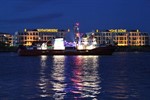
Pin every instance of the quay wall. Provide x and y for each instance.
(118, 49)
(132, 49)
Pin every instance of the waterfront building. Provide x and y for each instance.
(122, 37)
(6, 38)
(30, 37)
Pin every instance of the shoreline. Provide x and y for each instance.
(8, 49)
(118, 49)
(132, 49)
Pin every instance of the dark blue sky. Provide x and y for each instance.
(91, 14)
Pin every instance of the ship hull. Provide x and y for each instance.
(97, 51)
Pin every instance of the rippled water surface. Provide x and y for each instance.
(122, 76)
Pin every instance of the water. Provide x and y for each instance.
(122, 76)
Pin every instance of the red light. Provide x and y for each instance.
(77, 24)
(77, 34)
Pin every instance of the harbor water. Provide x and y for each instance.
(121, 76)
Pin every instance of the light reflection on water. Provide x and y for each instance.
(70, 77)
(122, 76)
(86, 79)
(58, 77)
(43, 81)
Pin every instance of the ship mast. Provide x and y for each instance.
(77, 34)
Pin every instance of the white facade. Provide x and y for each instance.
(122, 37)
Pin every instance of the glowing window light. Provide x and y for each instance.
(94, 41)
(68, 30)
(44, 46)
(90, 47)
(85, 42)
(80, 47)
(59, 44)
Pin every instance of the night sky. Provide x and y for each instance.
(91, 14)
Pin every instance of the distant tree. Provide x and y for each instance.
(2, 44)
(115, 43)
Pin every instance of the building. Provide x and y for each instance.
(122, 37)
(137, 38)
(30, 37)
(6, 38)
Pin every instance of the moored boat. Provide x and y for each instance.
(83, 45)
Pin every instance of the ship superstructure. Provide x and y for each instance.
(84, 41)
